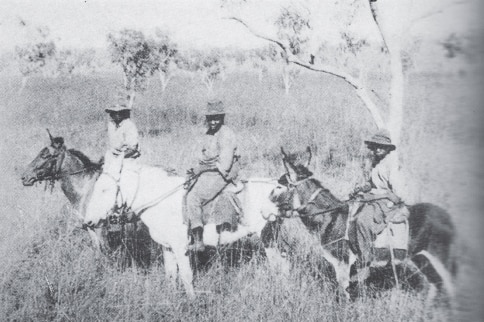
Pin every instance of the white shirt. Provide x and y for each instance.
(386, 176)
(124, 135)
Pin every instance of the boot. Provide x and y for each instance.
(198, 245)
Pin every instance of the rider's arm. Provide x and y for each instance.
(131, 139)
(228, 146)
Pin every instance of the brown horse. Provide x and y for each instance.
(77, 175)
(430, 256)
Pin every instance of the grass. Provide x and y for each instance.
(49, 271)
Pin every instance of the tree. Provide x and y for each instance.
(208, 65)
(166, 55)
(74, 61)
(131, 50)
(261, 58)
(33, 57)
(392, 18)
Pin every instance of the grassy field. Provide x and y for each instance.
(48, 271)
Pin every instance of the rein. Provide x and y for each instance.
(292, 186)
(58, 174)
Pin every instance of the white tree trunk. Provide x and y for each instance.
(23, 84)
(392, 18)
(164, 81)
(286, 78)
(132, 94)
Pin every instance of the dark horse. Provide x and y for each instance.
(77, 175)
(431, 232)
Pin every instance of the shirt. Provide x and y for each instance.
(386, 176)
(124, 135)
(218, 150)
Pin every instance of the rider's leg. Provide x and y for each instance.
(208, 186)
(368, 224)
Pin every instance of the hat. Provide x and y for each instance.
(117, 108)
(215, 108)
(382, 137)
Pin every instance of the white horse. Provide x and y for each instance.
(158, 201)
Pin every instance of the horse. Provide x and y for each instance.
(158, 202)
(77, 175)
(430, 254)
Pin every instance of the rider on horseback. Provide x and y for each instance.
(379, 199)
(218, 168)
(121, 155)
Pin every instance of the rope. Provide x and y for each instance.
(158, 199)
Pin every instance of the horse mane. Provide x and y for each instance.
(327, 199)
(85, 160)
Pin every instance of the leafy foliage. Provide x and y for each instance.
(130, 49)
(32, 57)
(165, 55)
(292, 26)
(210, 66)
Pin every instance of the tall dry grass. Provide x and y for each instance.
(49, 271)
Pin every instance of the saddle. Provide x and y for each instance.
(395, 235)
(226, 207)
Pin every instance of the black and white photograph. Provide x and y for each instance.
(241, 160)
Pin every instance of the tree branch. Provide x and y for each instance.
(361, 91)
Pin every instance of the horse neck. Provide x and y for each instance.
(76, 179)
(337, 228)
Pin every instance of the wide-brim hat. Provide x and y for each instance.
(215, 108)
(382, 137)
(117, 108)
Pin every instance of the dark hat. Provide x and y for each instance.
(120, 106)
(382, 137)
(215, 108)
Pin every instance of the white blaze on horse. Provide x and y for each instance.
(429, 244)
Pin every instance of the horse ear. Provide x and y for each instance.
(50, 137)
(308, 150)
(290, 170)
(284, 155)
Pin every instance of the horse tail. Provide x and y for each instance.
(445, 275)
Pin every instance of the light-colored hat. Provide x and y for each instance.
(215, 108)
(382, 137)
(117, 108)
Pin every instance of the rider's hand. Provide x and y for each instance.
(394, 198)
(118, 151)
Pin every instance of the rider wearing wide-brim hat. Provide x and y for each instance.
(381, 139)
(380, 197)
(122, 132)
(217, 167)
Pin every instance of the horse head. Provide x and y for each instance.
(298, 194)
(285, 195)
(47, 163)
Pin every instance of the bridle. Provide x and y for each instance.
(297, 208)
(56, 160)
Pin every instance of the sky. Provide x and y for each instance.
(85, 23)
(191, 23)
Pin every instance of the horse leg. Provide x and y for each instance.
(184, 270)
(169, 260)
(276, 261)
(97, 239)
